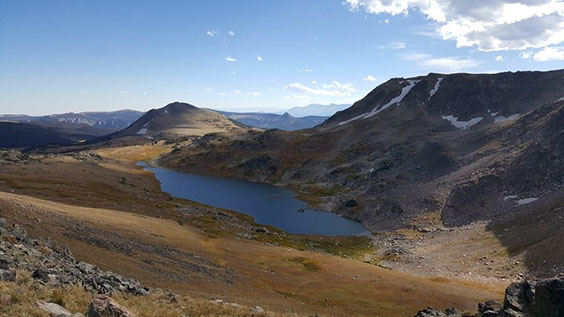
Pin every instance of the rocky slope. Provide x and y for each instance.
(469, 147)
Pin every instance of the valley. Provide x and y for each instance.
(453, 208)
(122, 215)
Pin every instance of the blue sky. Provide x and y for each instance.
(62, 56)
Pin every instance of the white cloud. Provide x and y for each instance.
(221, 94)
(526, 55)
(314, 82)
(308, 70)
(232, 33)
(123, 92)
(249, 93)
(259, 58)
(335, 89)
(499, 58)
(550, 54)
(442, 64)
(394, 46)
(369, 78)
(211, 33)
(231, 59)
(491, 25)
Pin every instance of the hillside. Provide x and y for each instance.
(24, 135)
(408, 148)
(274, 121)
(177, 120)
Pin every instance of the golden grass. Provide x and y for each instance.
(25, 292)
(135, 153)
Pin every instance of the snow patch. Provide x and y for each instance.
(561, 99)
(462, 124)
(525, 201)
(512, 197)
(499, 119)
(436, 88)
(404, 91)
(142, 131)
(493, 114)
(353, 119)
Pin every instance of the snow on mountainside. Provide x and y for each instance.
(461, 100)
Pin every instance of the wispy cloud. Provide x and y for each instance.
(248, 93)
(394, 46)
(526, 55)
(499, 58)
(123, 92)
(334, 89)
(211, 33)
(441, 64)
(259, 58)
(369, 78)
(308, 70)
(231, 59)
(231, 33)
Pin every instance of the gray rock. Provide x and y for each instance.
(54, 310)
(19, 232)
(549, 298)
(518, 297)
(103, 306)
(8, 275)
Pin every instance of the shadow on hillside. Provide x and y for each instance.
(538, 233)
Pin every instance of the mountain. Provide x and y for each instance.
(25, 135)
(316, 110)
(275, 121)
(467, 147)
(176, 120)
(115, 120)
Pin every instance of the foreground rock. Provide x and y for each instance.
(103, 306)
(522, 299)
(56, 266)
(55, 310)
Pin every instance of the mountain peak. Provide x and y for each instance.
(176, 107)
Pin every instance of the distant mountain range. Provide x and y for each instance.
(316, 110)
(274, 121)
(114, 120)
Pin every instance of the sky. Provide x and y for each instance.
(70, 56)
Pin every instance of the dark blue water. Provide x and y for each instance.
(268, 204)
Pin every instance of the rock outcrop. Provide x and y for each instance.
(543, 298)
(54, 265)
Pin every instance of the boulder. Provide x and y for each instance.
(54, 310)
(549, 298)
(104, 306)
(518, 297)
